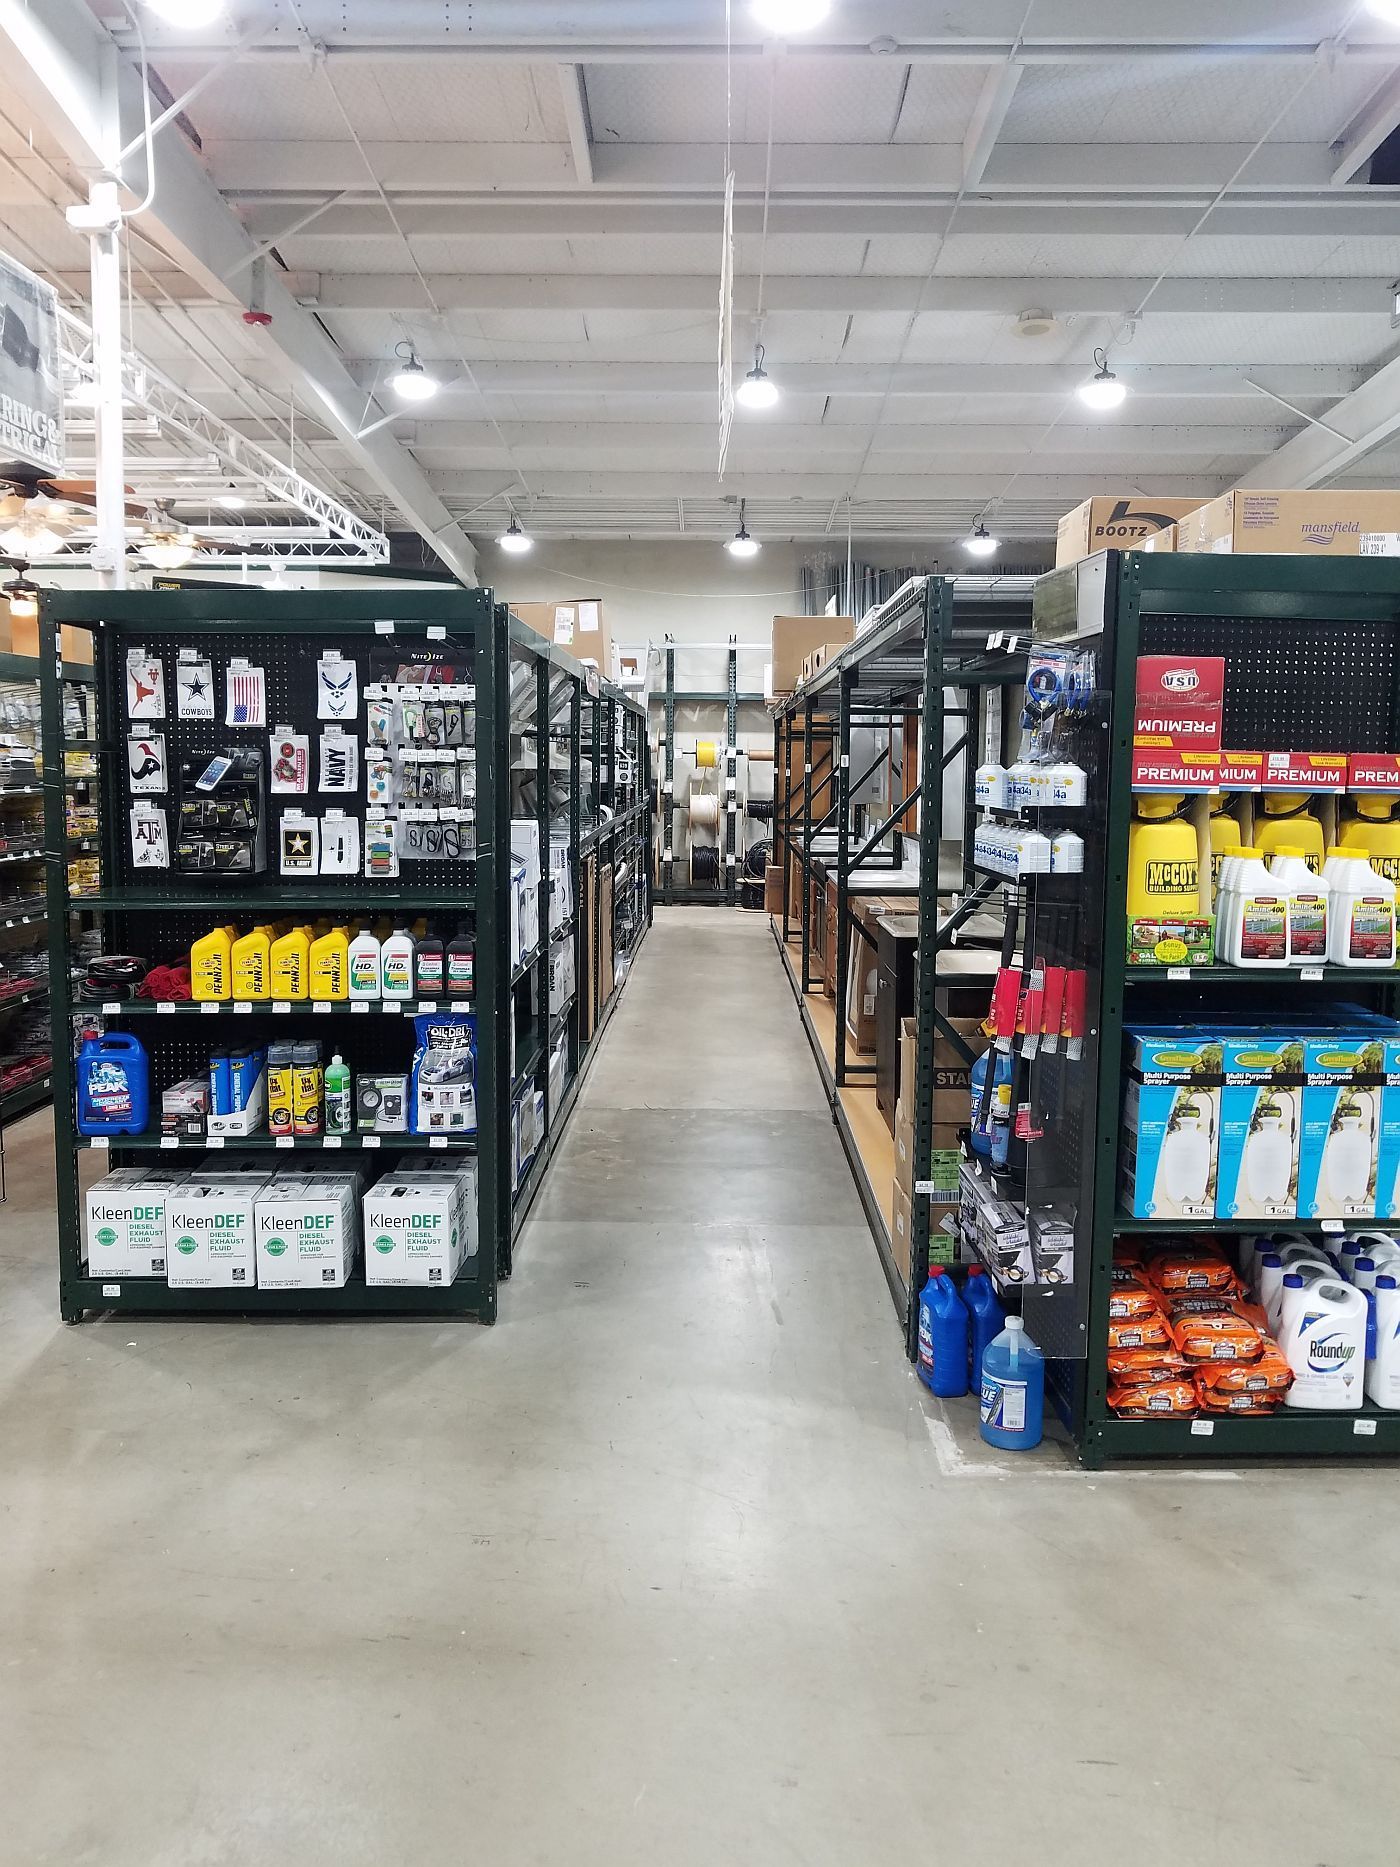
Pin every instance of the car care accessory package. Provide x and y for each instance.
(442, 1096)
(222, 813)
(1171, 1123)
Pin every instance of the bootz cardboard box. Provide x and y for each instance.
(1388, 1152)
(1261, 1109)
(210, 1235)
(1343, 1081)
(125, 1215)
(306, 1233)
(1171, 1124)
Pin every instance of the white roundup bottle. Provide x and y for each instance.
(1383, 1370)
(1324, 1341)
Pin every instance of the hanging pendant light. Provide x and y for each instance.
(758, 390)
(1104, 391)
(789, 16)
(743, 544)
(23, 598)
(514, 539)
(980, 543)
(170, 550)
(411, 382)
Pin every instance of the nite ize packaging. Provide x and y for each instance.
(1343, 1084)
(1261, 1116)
(1177, 722)
(1171, 1124)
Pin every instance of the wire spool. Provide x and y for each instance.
(756, 860)
(760, 809)
(704, 868)
(706, 754)
(702, 807)
(751, 896)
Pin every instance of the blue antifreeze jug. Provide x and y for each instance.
(1013, 1390)
(982, 1120)
(944, 1331)
(114, 1085)
(988, 1317)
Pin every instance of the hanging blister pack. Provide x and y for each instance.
(381, 848)
(194, 686)
(146, 768)
(291, 762)
(340, 844)
(337, 688)
(379, 723)
(300, 843)
(340, 763)
(379, 779)
(145, 686)
(245, 693)
(150, 837)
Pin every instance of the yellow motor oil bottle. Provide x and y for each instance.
(291, 965)
(1225, 838)
(1376, 830)
(1288, 821)
(252, 967)
(330, 965)
(1164, 869)
(211, 965)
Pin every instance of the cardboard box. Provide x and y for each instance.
(125, 1230)
(577, 624)
(773, 889)
(20, 636)
(902, 1230)
(605, 937)
(1160, 541)
(1374, 771)
(794, 638)
(1260, 1124)
(307, 1232)
(1305, 771)
(952, 1077)
(1171, 1124)
(862, 974)
(419, 1229)
(1117, 522)
(1178, 711)
(1315, 524)
(210, 1235)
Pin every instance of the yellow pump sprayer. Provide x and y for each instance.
(1288, 821)
(1376, 831)
(1164, 870)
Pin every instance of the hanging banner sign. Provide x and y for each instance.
(31, 377)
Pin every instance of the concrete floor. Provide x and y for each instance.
(675, 1566)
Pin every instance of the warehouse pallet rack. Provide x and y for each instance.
(939, 637)
(725, 892)
(588, 765)
(1312, 653)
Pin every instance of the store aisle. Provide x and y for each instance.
(667, 1567)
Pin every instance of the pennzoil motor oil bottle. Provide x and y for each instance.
(1288, 820)
(211, 966)
(291, 965)
(1164, 875)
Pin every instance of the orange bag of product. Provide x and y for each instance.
(1127, 1255)
(1249, 1405)
(1145, 1367)
(1271, 1374)
(1132, 1297)
(1217, 1335)
(1163, 1400)
(1143, 1332)
(1194, 1268)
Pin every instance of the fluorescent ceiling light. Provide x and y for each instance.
(757, 390)
(981, 543)
(187, 12)
(412, 383)
(1103, 391)
(514, 540)
(786, 16)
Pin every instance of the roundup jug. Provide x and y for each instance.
(1383, 1370)
(1324, 1340)
(1288, 820)
(113, 1085)
(1375, 829)
(1187, 1151)
(1164, 875)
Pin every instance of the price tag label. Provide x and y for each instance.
(332, 1140)
(243, 1010)
(1333, 1226)
(100, 1141)
(1311, 974)
(281, 1008)
(371, 1140)
(165, 1011)
(216, 1140)
(438, 1141)
(1179, 975)
(436, 632)
(111, 1290)
(427, 1006)
(321, 1008)
(111, 1007)
(170, 1143)
(359, 1011)
(286, 1141)
(383, 628)
(393, 1008)
(1363, 1429)
(1203, 1429)
(210, 1008)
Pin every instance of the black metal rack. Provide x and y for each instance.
(588, 769)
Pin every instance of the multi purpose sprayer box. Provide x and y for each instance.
(1388, 1150)
(1171, 1124)
(1261, 1107)
(1343, 1084)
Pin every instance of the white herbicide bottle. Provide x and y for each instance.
(1308, 1271)
(1254, 933)
(1308, 899)
(1324, 1340)
(1383, 1371)
(1363, 911)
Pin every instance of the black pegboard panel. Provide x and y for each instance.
(289, 666)
(1294, 686)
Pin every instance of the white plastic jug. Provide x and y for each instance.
(1383, 1371)
(1309, 898)
(1346, 1159)
(1186, 1156)
(1268, 1158)
(1308, 1271)
(1253, 929)
(1381, 1247)
(1362, 912)
(1324, 1340)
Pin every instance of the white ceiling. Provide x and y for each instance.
(532, 195)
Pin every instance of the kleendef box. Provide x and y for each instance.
(306, 1234)
(125, 1229)
(1178, 716)
(419, 1229)
(210, 1235)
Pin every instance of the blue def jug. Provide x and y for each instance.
(1013, 1390)
(114, 1085)
(944, 1331)
(988, 1317)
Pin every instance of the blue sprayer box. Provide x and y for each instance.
(1261, 1108)
(1171, 1122)
(1343, 1082)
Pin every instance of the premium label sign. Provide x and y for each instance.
(31, 376)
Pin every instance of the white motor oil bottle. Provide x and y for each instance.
(1383, 1370)
(1323, 1338)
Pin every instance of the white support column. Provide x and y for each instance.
(109, 556)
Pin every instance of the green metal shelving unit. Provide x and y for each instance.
(1312, 650)
(561, 702)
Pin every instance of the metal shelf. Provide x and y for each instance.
(272, 1008)
(1288, 1434)
(24, 1101)
(1290, 976)
(245, 901)
(153, 1142)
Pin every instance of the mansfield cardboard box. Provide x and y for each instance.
(794, 638)
(1318, 524)
(577, 624)
(1118, 522)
